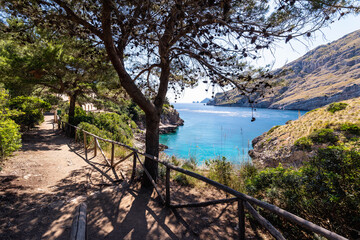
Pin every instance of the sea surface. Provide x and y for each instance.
(211, 132)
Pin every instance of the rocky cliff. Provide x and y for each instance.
(297, 141)
(326, 74)
(170, 120)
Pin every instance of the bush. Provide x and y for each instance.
(350, 128)
(326, 187)
(190, 164)
(182, 179)
(94, 130)
(220, 170)
(10, 138)
(32, 109)
(324, 136)
(334, 107)
(304, 143)
(117, 124)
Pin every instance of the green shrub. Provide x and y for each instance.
(10, 138)
(118, 125)
(220, 170)
(32, 109)
(334, 107)
(94, 130)
(190, 164)
(182, 179)
(350, 128)
(326, 187)
(324, 136)
(304, 143)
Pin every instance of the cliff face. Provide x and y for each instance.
(326, 74)
(170, 120)
(281, 144)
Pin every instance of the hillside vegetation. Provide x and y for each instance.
(327, 74)
(295, 142)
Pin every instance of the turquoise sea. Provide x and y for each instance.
(211, 131)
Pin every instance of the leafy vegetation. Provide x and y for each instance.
(10, 138)
(32, 109)
(338, 106)
(324, 136)
(350, 128)
(326, 187)
(118, 127)
(220, 170)
(304, 143)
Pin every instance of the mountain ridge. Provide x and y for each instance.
(326, 74)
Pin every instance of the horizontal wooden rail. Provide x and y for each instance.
(78, 227)
(204, 204)
(246, 198)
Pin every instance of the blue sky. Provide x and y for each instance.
(284, 53)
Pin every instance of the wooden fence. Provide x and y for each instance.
(243, 200)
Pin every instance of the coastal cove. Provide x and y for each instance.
(210, 131)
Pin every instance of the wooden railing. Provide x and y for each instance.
(243, 200)
(78, 227)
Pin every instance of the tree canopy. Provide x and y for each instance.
(64, 65)
(160, 44)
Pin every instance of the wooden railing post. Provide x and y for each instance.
(112, 154)
(167, 197)
(134, 167)
(85, 150)
(95, 147)
(75, 130)
(241, 215)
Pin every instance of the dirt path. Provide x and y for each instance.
(41, 185)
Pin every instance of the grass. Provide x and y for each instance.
(312, 121)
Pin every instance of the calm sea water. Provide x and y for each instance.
(211, 131)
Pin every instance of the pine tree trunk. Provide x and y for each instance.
(70, 131)
(152, 147)
(72, 108)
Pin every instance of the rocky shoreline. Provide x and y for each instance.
(169, 122)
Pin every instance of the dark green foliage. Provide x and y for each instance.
(326, 187)
(136, 113)
(81, 116)
(52, 99)
(324, 135)
(117, 125)
(182, 179)
(334, 107)
(10, 138)
(350, 128)
(32, 109)
(304, 143)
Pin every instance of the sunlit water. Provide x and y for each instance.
(211, 132)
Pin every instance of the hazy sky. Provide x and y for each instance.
(284, 53)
